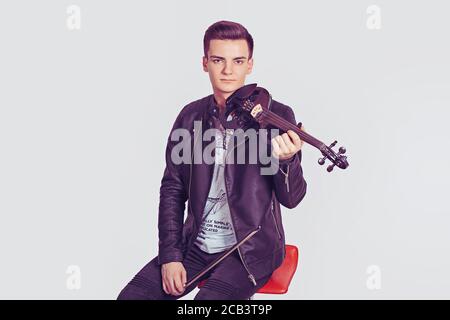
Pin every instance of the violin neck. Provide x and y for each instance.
(275, 120)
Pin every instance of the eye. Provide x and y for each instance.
(240, 61)
(216, 60)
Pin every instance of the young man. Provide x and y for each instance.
(225, 201)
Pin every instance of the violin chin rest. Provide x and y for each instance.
(240, 102)
(243, 92)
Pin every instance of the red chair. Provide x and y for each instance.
(281, 277)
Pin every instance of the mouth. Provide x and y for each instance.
(227, 80)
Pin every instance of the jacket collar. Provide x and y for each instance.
(212, 107)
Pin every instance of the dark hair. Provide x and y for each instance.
(227, 30)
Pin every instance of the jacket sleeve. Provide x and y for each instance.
(171, 207)
(289, 183)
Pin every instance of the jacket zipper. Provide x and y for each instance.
(190, 170)
(286, 177)
(274, 220)
(251, 277)
(190, 181)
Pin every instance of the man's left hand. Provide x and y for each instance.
(286, 145)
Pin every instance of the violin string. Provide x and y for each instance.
(284, 124)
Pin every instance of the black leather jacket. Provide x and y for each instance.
(254, 199)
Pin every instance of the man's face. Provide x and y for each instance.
(227, 60)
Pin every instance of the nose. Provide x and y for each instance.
(227, 69)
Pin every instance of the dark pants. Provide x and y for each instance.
(228, 280)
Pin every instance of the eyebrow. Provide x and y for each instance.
(237, 58)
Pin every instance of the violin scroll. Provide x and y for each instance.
(336, 159)
(251, 103)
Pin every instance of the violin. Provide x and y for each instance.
(251, 103)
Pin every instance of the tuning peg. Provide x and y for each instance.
(333, 144)
(321, 161)
(342, 150)
(330, 167)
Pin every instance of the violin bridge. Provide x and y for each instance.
(256, 110)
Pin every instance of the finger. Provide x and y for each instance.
(287, 140)
(163, 280)
(283, 148)
(178, 283)
(165, 287)
(171, 283)
(295, 138)
(276, 148)
(184, 278)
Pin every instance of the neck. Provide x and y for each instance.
(220, 98)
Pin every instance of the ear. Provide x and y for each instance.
(250, 65)
(205, 63)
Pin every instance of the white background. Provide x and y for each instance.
(85, 114)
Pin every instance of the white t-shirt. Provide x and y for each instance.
(216, 231)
